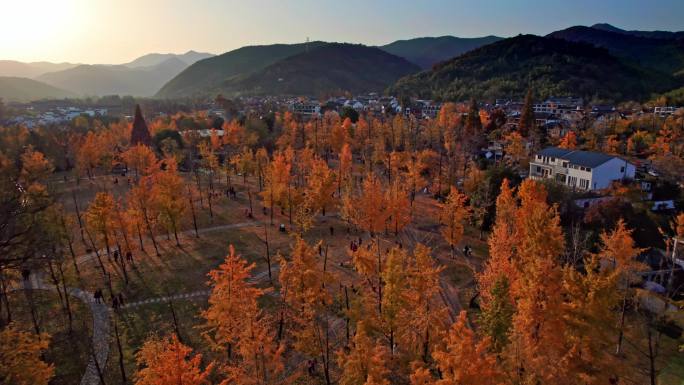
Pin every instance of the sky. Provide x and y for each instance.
(118, 31)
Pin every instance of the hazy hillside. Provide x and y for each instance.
(665, 55)
(650, 34)
(329, 68)
(551, 67)
(204, 76)
(30, 70)
(427, 51)
(24, 89)
(118, 79)
(154, 59)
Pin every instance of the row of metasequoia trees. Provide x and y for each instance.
(540, 321)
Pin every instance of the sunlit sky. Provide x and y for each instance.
(117, 31)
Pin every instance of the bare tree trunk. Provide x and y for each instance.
(149, 229)
(192, 211)
(78, 216)
(122, 369)
(268, 255)
(66, 298)
(3, 292)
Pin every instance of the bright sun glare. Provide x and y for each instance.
(28, 23)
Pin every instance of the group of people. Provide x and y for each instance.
(117, 300)
(129, 256)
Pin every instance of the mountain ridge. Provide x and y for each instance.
(19, 89)
(427, 51)
(330, 68)
(550, 66)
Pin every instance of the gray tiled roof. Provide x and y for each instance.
(580, 158)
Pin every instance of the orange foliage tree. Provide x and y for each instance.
(167, 361)
(453, 216)
(21, 357)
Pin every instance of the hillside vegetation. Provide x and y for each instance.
(666, 55)
(24, 89)
(551, 67)
(206, 75)
(428, 51)
(331, 68)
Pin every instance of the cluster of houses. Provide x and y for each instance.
(57, 115)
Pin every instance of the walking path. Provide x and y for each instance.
(195, 294)
(100, 311)
(87, 257)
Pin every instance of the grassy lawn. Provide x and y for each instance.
(137, 324)
(68, 352)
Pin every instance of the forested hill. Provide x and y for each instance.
(23, 89)
(204, 76)
(428, 51)
(666, 55)
(331, 68)
(551, 67)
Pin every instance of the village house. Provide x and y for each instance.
(582, 170)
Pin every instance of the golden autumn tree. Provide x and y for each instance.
(569, 141)
(414, 175)
(537, 335)
(398, 207)
(465, 360)
(454, 214)
(590, 302)
(277, 182)
(423, 317)
(168, 197)
(141, 159)
(365, 363)
(394, 288)
(232, 298)
(320, 186)
(88, 154)
(344, 173)
(515, 149)
(679, 225)
(303, 288)
(167, 361)
(494, 283)
(370, 208)
(21, 358)
(100, 218)
(619, 253)
(35, 168)
(235, 323)
(142, 209)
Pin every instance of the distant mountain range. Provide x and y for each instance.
(427, 51)
(601, 61)
(241, 67)
(18, 89)
(99, 80)
(649, 34)
(549, 66)
(30, 70)
(154, 59)
(143, 76)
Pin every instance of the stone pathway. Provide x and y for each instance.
(195, 294)
(101, 324)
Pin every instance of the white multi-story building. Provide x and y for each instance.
(580, 169)
(306, 108)
(559, 106)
